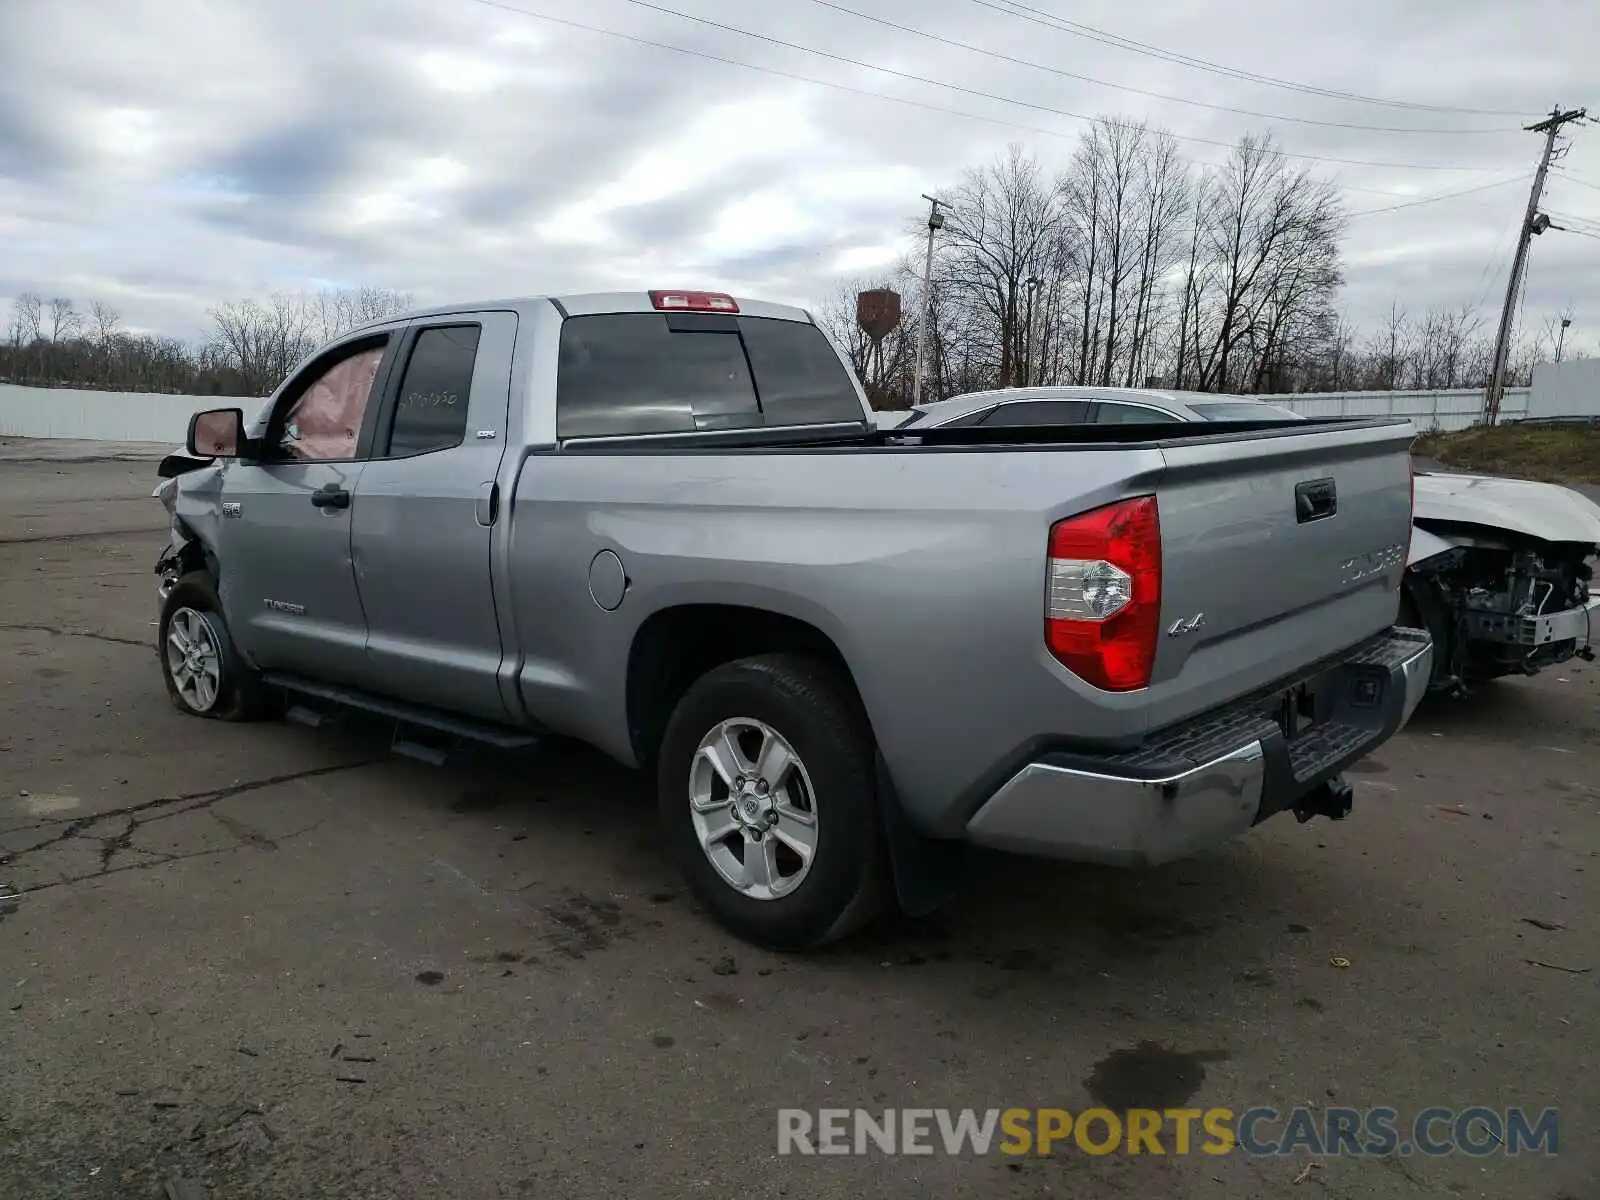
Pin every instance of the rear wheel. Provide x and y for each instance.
(204, 674)
(767, 789)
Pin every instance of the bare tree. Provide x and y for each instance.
(1441, 346)
(1199, 277)
(63, 319)
(1273, 238)
(1002, 225)
(333, 312)
(104, 319)
(1294, 318)
(1163, 199)
(251, 347)
(1389, 350)
(262, 342)
(26, 319)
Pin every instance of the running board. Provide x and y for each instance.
(487, 733)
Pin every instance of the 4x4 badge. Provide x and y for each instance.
(1184, 626)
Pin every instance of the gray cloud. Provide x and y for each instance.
(167, 158)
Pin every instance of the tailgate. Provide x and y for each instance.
(1278, 549)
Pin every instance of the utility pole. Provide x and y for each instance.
(1533, 222)
(935, 223)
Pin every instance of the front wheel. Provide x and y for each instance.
(768, 795)
(204, 674)
(1421, 609)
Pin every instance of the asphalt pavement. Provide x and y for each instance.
(265, 961)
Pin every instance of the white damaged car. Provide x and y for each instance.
(1500, 571)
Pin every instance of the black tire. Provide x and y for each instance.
(817, 713)
(240, 694)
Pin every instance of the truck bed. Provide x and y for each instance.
(923, 560)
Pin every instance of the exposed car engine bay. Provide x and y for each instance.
(1501, 604)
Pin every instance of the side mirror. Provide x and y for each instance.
(216, 433)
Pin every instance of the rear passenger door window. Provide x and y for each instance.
(627, 374)
(1039, 412)
(430, 405)
(1132, 414)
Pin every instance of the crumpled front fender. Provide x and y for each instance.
(1425, 545)
(1546, 511)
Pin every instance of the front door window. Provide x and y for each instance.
(324, 424)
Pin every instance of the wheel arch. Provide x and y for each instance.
(677, 645)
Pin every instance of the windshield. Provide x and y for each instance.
(1244, 410)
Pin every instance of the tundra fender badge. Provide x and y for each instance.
(283, 606)
(1373, 563)
(1184, 626)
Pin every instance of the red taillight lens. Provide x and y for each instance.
(694, 302)
(1103, 602)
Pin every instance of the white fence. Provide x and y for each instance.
(142, 417)
(103, 416)
(1569, 389)
(1453, 409)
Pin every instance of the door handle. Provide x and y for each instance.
(1315, 499)
(330, 495)
(487, 507)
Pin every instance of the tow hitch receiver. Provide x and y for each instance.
(1333, 798)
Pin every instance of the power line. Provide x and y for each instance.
(1078, 29)
(1578, 232)
(1349, 187)
(1367, 212)
(775, 71)
(1246, 112)
(1577, 179)
(1060, 112)
(1591, 222)
(1491, 268)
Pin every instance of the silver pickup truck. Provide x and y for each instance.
(664, 524)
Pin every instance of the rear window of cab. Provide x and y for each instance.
(625, 374)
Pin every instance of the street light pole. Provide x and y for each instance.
(935, 223)
(1033, 283)
(1561, 338)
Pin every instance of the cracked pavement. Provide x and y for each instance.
(267, 962)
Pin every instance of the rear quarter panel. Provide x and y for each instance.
(925, 568)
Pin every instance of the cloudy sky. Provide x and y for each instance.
(162, 155)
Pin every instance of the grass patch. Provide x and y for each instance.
(1550, 453)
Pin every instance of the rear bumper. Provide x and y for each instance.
(1209, 779)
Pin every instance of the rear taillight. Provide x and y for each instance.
(694, 302)
(1103, 604)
